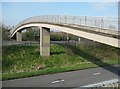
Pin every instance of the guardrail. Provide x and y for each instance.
(22, 43)
(26, 43)
(110, 83)
(106, 23)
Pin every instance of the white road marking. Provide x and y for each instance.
(96, 73)
(57, 81)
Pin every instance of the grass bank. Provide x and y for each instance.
(25, 61)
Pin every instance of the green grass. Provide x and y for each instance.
(22, 61)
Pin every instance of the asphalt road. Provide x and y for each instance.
(67, 79)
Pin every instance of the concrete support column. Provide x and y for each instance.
(44, 41)
(18, 36)
(79, 39)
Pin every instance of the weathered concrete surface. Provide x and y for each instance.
(44, 41)
(18, 36)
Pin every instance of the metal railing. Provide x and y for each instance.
(85, 22)
(109, 84)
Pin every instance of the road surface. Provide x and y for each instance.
(67, 79)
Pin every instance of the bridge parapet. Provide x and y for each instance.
(105, 24)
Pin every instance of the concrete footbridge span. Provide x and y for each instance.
(99, 29)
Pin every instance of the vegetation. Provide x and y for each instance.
(61, 36)
(31, 34)
(6, 32)
(25, 61)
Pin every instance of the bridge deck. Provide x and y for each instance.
(106, 25)
(97, 29)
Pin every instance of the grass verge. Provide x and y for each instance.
(25, 61)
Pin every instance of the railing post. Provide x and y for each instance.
(65, 19)
(85, 20)
(74, 20)
(95, 24)
(57, 18)
(102, 23)
(80, 21)
(51, 18)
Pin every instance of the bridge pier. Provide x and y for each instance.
(44, 41)
(18, 36)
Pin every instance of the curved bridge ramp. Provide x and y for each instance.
(99, 29)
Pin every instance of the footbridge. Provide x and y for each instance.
(99, 29)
